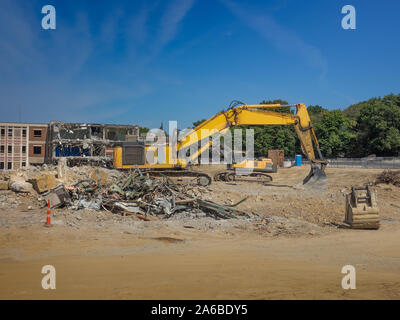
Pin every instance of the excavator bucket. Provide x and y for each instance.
(362, 210)
(316, 178)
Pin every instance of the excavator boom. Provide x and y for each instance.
(264, 114)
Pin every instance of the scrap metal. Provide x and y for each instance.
(141, 196)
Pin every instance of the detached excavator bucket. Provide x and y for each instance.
(316, 178)
(362, 211)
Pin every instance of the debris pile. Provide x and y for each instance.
(389, 177)
(9, 200)
(143, 197)
(134, 193)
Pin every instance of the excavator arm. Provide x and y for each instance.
(258, 115)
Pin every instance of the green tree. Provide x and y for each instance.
(143, 130)
(334, 132)
(378, 127)
(196, 123)
(316, 112)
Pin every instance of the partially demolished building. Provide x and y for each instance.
(86, 143)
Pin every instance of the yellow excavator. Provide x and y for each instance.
(172, 160)
(248, 170)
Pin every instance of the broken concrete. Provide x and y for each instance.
(43, 182)
(3, 185)
(18, 184)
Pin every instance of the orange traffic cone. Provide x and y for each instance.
(48, 221)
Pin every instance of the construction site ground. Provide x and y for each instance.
(296, 251)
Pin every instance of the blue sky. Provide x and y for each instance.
(147, 62)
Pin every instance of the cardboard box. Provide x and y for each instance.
(277, 156)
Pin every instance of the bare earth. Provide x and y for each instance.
(296, 251)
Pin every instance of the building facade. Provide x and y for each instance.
(22, 144)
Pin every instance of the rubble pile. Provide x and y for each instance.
(143, 197)
(134, 193)
(389, 177)
(8, 200)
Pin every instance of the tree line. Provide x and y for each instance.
(365, 128)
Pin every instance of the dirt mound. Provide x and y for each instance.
(389, 177)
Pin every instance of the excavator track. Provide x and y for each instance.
(182, 176)
(229, 176)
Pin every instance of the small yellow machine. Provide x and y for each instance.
(138, 155)
(260, 165)
(248, 170)
(362, 210)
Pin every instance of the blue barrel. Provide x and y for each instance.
(298, 159)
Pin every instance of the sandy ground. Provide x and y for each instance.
(296, 251)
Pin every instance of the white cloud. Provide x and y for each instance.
(85, 70)
(173, 15)
(45, 72)
(281, 37)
